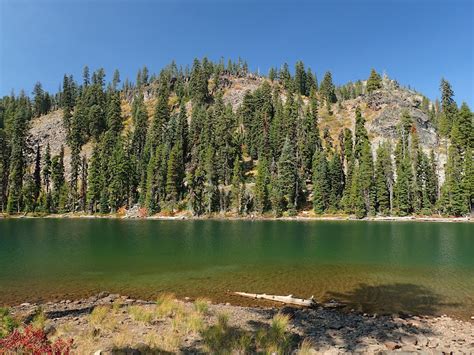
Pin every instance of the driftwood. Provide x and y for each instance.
(284, 299)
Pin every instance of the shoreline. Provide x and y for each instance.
(230, 217)
(129, 323)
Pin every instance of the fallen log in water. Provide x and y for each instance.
(284, 299)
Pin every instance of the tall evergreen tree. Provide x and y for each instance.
(374, 82)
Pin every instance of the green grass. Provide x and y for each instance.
(7, 323)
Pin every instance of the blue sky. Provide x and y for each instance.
(414, 41)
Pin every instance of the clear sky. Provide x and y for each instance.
(414, 41)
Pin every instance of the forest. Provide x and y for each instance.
(197, 153)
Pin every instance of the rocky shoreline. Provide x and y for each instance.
(305, 216)
(135, 326)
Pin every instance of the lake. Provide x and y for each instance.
(383, 267)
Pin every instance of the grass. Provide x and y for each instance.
(39, 319)
(201, 305)
(140, 314)
(99, 315)
(167, 305)
(223, 339)
(7, 323)
(306, 348)
(275, 338)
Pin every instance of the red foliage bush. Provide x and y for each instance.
(33, 341)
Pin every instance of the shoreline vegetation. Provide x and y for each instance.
(110, 323)
(228, 216)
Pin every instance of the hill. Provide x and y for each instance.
(218, 139)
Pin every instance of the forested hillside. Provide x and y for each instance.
(217, 139)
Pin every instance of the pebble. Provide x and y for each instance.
(391, 345)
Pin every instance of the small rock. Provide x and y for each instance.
(227, 304)
(408, 339)
(26, 304)
(49, 329)
(391, 345)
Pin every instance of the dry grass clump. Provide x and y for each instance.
(167, 305)
(306, 348)
(275, 339)
(141, 314)
(222, 338)
(201, 305)
(39, 319)
(101, 318)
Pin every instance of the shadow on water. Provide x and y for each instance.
(397, 298)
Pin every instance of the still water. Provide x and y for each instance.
(384, 267)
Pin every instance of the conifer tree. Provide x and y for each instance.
(114, 114)
(37, 173)
(94, 183)
(384, 179)
(175, 173)
(287, 176)
(262, 182)
(374, 82)
(327, 89)
(60, 193)
(47, 168)
(448, 108)
(321, 182)
(237, 186)
(17, 158)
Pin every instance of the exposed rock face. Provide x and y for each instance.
(49, 129)
(382, 110)
(388, 106)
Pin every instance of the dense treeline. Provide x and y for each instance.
(196, 152)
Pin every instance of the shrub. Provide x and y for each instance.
(7, 323)
(34, 341)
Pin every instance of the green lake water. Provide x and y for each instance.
(384, 267)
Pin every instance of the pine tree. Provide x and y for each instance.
(336, 177)
(374, 82)
(327, 90)
(321, 182)
(384, 179)
(287, 176)
(300, 78)
(94, 183)
(175, 173)
(17, 159)
(37, 173)
(59, 182)
(47, 168)
(448, 108)
(262, 182)
(4, 168)
(114, 114)
(361, 136)
(237, 186)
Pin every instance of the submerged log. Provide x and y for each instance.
(283, 299)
